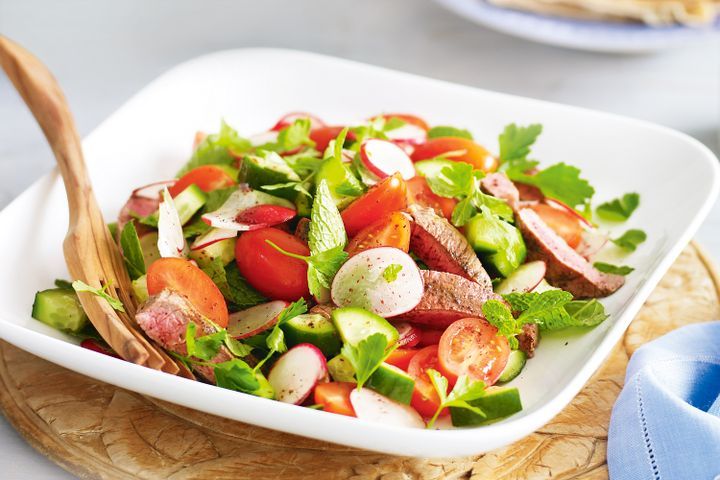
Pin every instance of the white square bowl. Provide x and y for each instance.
(149, 138)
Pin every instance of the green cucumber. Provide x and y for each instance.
(497, 403)
(341, 370)
(270, 169)
(139, 286)
(264, 390)
(515, 364)
(148, 245)
(303, 205)
(315, 329)
(356, 324)
(392, 382)
(432, 167)
(499, 244)
(187, 203)
(224, 250)
(59, 308)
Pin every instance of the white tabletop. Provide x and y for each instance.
(102, 52)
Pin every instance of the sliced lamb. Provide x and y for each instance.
(566, 269)
(442, 247)
(499, 185)
(529, 339)
(448, 297)
(137, 207)
(165, 317)
(529, 193)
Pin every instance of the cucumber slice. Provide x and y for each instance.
(315, 329)
(187, 203)
(271, 169)
(341, 370)
(139, 286)
(524, 279)
(355, 324)
(392, 382)
(497, 403)
(515, 364)
(500, 244)
(149, 246)
(303, 205)
(224, 250)
(59, 308)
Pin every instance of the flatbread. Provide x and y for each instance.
(651, 12)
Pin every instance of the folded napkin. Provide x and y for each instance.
(665, 424)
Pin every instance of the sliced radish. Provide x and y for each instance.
(214, 235)
(408, 133)
(563, 206)
(295, 374)
(263, 138)
(151, 191)
(362, 282)
(373, 407)
(408, 335)
(543, 286)
(232, 215)
(524, 279)
(384, 158)
(254, 320)
(591, 242)
(289, 118)
(171, 242)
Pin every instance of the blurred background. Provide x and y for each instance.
(103, 52)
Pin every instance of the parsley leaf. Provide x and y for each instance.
(630, 239)
(294, 136)
(236, 375)
(447, 131)
(132, 251)
(366, 356)
(275, 341)
(515, 141)
(390, 273)
(619, 209)
(560, 181)
(215, 149)
(116, 304)
(206, 347)
(464, 391)
(455, 179)
(500, 316)
(614, 269)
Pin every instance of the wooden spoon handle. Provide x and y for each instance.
(42, 94)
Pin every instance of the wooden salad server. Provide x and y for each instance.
(91, 253)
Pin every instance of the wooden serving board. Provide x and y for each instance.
(96, 430)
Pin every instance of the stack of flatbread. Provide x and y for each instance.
(651, 12)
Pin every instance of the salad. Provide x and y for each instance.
(384, 270)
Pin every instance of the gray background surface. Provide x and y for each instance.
(102, 52)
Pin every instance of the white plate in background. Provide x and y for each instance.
(150, 137)
(593, 35)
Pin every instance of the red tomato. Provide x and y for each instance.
(96, 346)
(567, 225)
(335, 397)
(185, 278)
(389, 195)
(430, 336)
(425, 399)
(400, 357)
(418, 191)
(407, 118)
(270, 272)
(392, 230)
(289, 118)
(467, 151)
(207, 178)
(472, 347)
(323, 135)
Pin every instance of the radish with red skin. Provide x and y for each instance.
(212, 236)
(592, 242)
(152, 190)
(408, 335)
(239, 213)
(524, 279)
(261, 216)
(254, 320)
(288, 119)
(363, 282)
(171, 242)
(385, 158)
(408, 133)
(261, 139)
(371, 406)
(296, 372)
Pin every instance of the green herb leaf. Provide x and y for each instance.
(464, 391)
(555, 310)
(59, 283)
(619, 209)
(495, 205)
(215, 149)
(455, 180)
(232, 285)
(560, 181)
(295, 135)
(195, 228)
(132, 251)
(390, 273)
(614, 269)
(584, 313)
(447, 131)
(440, 383)
(515, 141)
(366, 356)
(206, 347)
(275, 341)
(463, 212)
(116, 304)
(236, 375)
(500, 316)
(630, 239)
(327, 230)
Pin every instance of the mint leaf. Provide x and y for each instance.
(232, 285)
(630, 239)
(327, 230)
(584, 313)
(116, 304)
(195, 228)
(390, 273)
(215, 149)
(236, 375)
(515, 141)
(500, 316)
(614, 269)
(366, 356)
(132, 251)
(206, 347)
(619, 209)
(555, 310)
(447, 131)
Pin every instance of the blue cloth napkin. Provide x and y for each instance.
(665, 424)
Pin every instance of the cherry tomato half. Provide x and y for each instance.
(400, 357)
(392, 230)
(388, 196)
(472, 347)
(424, 399)
(565, 224)
(323, 135)
(186, 279)
(466, 151)
(270, 272)
(419, 192)
(430, 336)
(206, 177)
(335, 397)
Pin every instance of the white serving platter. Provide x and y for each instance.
(151, 136)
